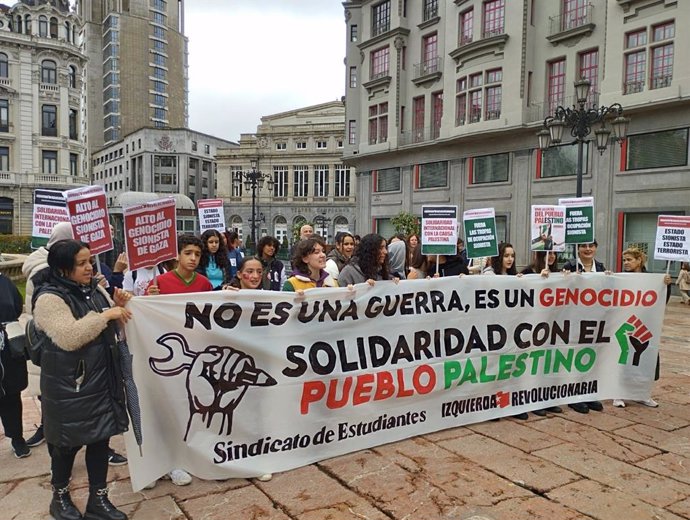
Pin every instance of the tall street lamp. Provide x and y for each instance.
(580, 121)
(254, 179)
(322, 222)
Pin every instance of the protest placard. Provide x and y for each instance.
(579, 220)
(439, 230)
(211, 214)
(672, 238)
(480, 232)
(150, 234)
(88, 214)
(548, 228)
(50, 208)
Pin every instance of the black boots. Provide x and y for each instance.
(62, 507)
(99, 506)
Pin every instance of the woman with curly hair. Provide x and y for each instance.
(369, 263)
(214, 263)
(273, 269)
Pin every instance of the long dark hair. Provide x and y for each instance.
(497, 261)
(540, 260)
(418, 260)
(366, 257)
(220, 256)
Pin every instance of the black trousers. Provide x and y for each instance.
(11, 415)
(62, 461)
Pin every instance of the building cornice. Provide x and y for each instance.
(376, 40)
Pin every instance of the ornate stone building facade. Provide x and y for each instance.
(444, 98)
(43, 123)
(301, 150)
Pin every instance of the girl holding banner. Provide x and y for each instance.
(504, 264)
(634, 261)
(250, 274)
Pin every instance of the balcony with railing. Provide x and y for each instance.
(571, 24)
(39, 179)
(491, 40)
(419, 135)
(539, 111)
(377, 80)
(380, 28)
(428, 70)
(661, 81)
(49, 87)
(633, 86)
(430, 11)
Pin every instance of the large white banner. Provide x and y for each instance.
(238, 384)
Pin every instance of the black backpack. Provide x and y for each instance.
(36, 339)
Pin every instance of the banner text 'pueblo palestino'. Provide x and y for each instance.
(239, 384)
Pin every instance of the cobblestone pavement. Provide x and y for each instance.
(631, 463)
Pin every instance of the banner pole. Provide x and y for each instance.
(437, 266)
(668, 267)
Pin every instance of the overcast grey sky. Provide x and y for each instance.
(250, 58)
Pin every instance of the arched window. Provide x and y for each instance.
(236, 225)
(280, 229)
(27, 24)
(4, 66)
(340, 224)
(43, 26)
(18, 28)
(49, 72)
(72, 72)
(53, 28)
(68, 32)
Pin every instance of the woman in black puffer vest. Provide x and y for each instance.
(81, 381)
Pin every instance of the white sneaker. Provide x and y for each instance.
(265, 478)
(619, 403)
(179, 477)
(649, 402)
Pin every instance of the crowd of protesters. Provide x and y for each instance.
(80, 302)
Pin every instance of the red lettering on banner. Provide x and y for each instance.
(561, 296)
(356, 390)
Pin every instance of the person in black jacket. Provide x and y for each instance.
(13, 374)
(81, 382)
(586, 263)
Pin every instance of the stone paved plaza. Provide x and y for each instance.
(622, 464)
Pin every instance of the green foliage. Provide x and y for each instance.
(15, 244)
(406, 223)
(249, 245)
